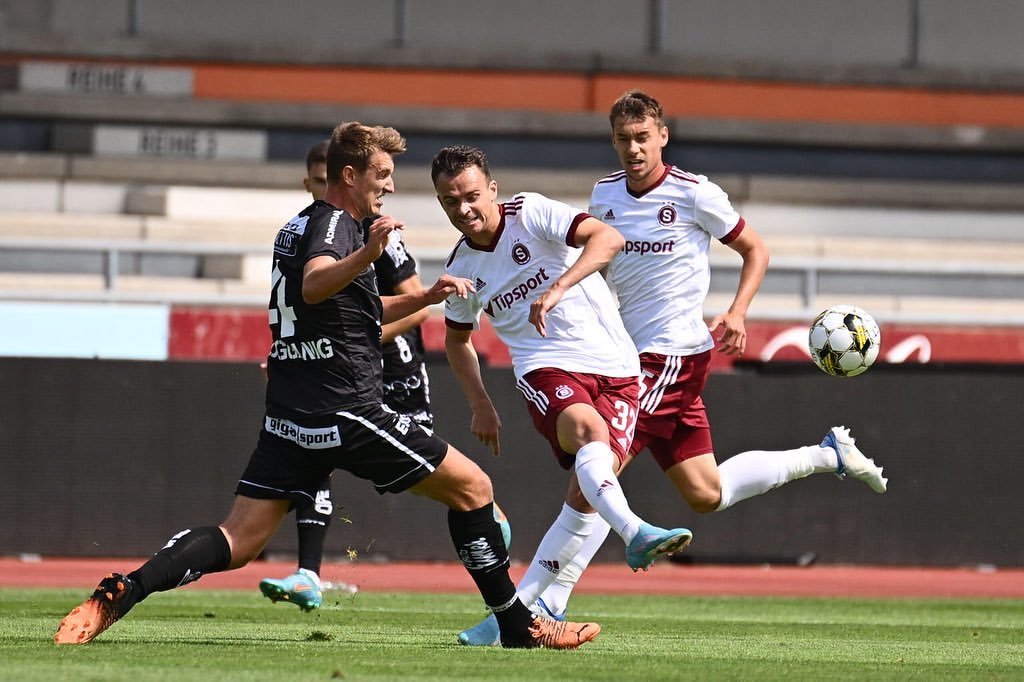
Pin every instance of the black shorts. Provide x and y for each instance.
(293, 457)
(410, 395)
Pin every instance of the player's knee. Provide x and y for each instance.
(459, 483)
(705, 500)
(479, 491)
(468, 497)
(578, 425)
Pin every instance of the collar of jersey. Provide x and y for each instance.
(497, 235)
(654, 184)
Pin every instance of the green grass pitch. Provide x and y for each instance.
(237, 635)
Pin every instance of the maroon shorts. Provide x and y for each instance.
(548, 391)
(673, 422)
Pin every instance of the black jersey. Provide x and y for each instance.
(403, 356)
(325, 355)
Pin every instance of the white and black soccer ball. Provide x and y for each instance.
(844, 340)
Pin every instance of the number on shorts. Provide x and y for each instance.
(625, 417)
(323, 504)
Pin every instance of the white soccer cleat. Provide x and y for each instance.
(852, 461)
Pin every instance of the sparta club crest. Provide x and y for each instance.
(520, 254)
(667, 215)
(563, 392)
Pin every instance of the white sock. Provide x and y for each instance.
(556, 550)
(758, 471)
(556, 595)
(601, 488)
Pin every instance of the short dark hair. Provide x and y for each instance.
(352, 144)
(636, 105)
(317, 154)
(454, 159)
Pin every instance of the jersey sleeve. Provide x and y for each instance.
(461, 313)
(330, 233)
(395, 264)
(550, 219)
(713, 211)
(597, 201)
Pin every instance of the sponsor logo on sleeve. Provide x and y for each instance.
(329, 238)
(286, 242)
(396, 249)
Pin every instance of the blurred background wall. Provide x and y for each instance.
(114, 455)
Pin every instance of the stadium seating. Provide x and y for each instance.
(192, 243)
(175, 161)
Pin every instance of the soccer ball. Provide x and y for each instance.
(844, 340)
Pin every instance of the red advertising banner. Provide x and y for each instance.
(773, 341)
(243, 334)
(218, 334)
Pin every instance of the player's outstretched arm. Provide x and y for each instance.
(465, 364)
(390, 330)
(402, 305)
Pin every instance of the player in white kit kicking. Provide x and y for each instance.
(573, 360)
(661, 277)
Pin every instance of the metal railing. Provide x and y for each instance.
(803, 279)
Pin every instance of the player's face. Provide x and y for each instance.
(470, 201)
(638, 144)
(315, 181)
(371, 185)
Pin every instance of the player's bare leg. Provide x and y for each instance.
(250, 525)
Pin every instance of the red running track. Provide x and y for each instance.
(663, 578)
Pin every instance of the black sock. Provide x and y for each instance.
(313, 520)
(185, 557)
(312, 534)
(481, 547)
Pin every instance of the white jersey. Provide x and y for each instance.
(531, 249)
(662, 275)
